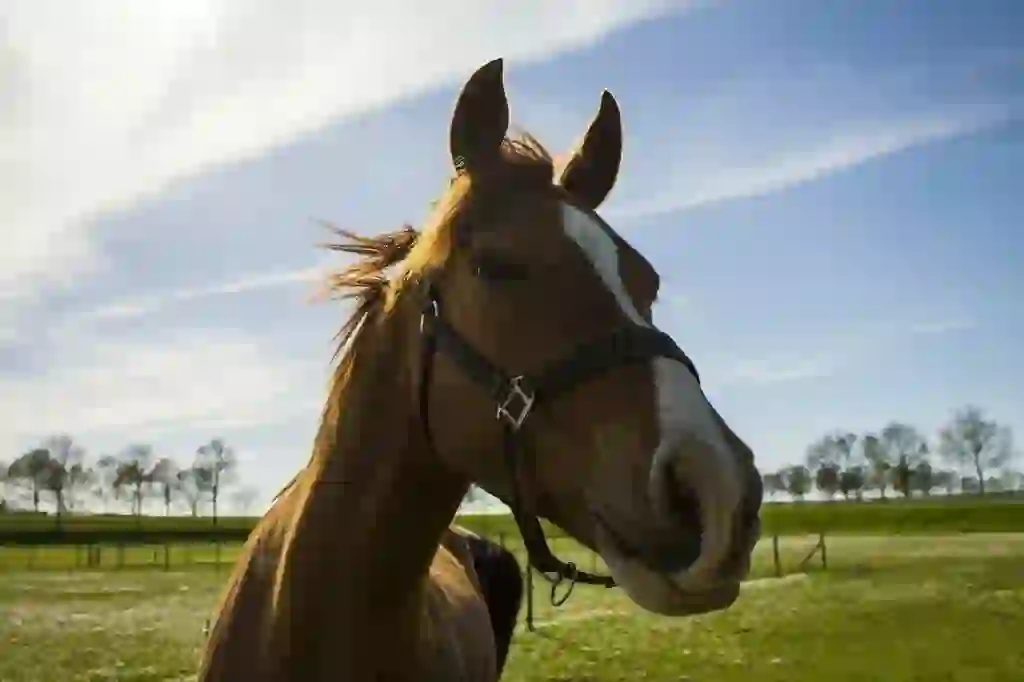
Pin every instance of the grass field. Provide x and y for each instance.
(947, 608)
(953, 514)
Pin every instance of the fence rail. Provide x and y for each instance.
(166, 551)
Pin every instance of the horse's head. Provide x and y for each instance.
(624, 451)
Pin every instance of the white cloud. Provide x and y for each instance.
(146, 305)
(106, 103)
(773, 372)
(944, 326)
(839, 352)
(861, 143)
(197, 380)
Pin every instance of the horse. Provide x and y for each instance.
(508, 342)
(501, 586)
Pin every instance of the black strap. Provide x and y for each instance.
(628, 344)
(438, 335)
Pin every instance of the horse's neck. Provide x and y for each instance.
(359, 528)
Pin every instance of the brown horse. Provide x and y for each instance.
(509, 342)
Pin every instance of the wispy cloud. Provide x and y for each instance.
(830, 356)
(174, 88)
(199, 380)
(786, 169)
(146, 305)
(944, 326)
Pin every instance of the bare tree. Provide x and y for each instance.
(189, 489)
(798, 481)
(923, 478)
(905, 447)
(64, 472)
(878, 462)
(30, 470)
(971, 440)
(165, 474)
(215, 462)
(946, 480)
(103, 480)
(133, 473)
(828, 458)
(774, 483)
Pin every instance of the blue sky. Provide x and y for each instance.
(830, 191)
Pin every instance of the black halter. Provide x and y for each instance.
(516, 396)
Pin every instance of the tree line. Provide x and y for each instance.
(59, 471)
(971, 454)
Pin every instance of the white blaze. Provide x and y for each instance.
(682, 408)
(681, 403)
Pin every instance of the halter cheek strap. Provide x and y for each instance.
(516, 396)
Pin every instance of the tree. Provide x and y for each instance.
(104, 480)
(3, 486)
(133, 473)
(188, 488)
(971, 440)
(923, 478)
(165, 474)
(244, 498)
(215, 461)
(904, 447)
(945, 479)
(64, 470)
(1012, 480)
(798, 481)
(31, 470)
(851, 481)
(828, 457)
(774, 483)
(878, 462)
(826, 479)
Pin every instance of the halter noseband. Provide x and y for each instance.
(515, 397)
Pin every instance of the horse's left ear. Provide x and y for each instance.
(590, 174)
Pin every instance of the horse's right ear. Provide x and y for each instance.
(480, 120)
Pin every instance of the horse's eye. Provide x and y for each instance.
(495, 268)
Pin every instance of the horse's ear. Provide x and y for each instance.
(591, 171)
(480, 120)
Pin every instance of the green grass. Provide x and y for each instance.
(960, 514)
(947, 609)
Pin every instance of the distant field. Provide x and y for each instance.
(900, 609)
(934, 515)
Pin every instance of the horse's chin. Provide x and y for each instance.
(662, 593)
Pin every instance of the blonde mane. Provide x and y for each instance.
(524, 161)
(369, 281)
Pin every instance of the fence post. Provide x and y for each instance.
(775, 556)
(167, 556)
(824, 550)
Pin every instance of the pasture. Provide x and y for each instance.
(938, 607)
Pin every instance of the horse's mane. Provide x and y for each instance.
(524, 162)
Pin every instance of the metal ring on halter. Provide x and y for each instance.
(517, 395)
(573, 573)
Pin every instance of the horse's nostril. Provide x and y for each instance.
(683, 503)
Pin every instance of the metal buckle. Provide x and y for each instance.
(516, 396)
(432, 309)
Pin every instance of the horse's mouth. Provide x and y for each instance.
(668, 555)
